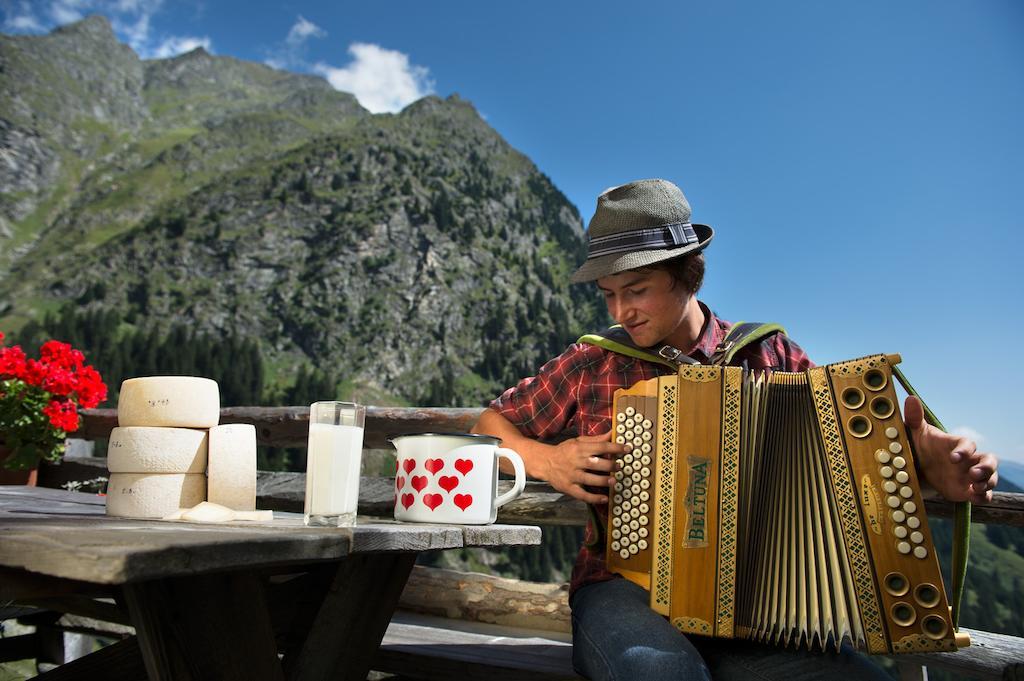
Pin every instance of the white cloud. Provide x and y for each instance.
(67, 11)
(302, 30)
(132, 21)
(968, 432)
(382, 80)
(176, 45)
(23, 22)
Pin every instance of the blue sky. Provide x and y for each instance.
(861, 162)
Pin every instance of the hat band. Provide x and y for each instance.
(667, 236)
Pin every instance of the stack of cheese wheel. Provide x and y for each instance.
(168, 451)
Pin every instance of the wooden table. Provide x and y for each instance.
(255, 601)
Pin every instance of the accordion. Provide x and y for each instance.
(778, 507)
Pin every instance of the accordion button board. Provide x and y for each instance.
(778, 507)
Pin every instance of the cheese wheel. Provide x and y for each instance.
(231, 466)
(144, 449)
(153, 495)
(169, 401)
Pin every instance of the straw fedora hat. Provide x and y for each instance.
(639, 224)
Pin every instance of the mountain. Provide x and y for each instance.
(417, 254)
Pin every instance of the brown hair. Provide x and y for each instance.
(687, 270)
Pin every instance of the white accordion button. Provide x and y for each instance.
(634, 513)
(634, 525)
(644, 508)
(900, 532)
(642, 544)
(639, 442)
(633, 536)
(642, 531)
(906, 492)
(916, 537)
(645, 460)
(633, 549)
(645, 471)
(616, 521)
(638, 429)
(647, 424)
(635, 488)
(910, 507)
(913, 522)
(899, 462)
(620, 440)
(920, 552)
(646, 448)
(618, 499)
(645, 483)
(645, 496)
(626, 506)
(615, 546)
(630, 411)
(895, 447)
(892, 433)
(629, 424)
(903, 547)
(902, 477)
(642, 519)
(616, 534)
(624, 554)
(882, 456)
(628, 458)
(618, 475)
(894, 502)
(899, 516)
(889, 486)
(646, 436)
(620, 417)
(620, 429)
(886, 471)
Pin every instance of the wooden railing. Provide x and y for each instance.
(993, 656)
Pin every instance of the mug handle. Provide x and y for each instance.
(520, 483)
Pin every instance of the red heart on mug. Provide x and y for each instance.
(419, 482)
(408, 499)
(463, 501)
(408, 465)
(448, 482)
(399, 482)
(433, 465)
(432, 500)
(464, 466)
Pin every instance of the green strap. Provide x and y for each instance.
(740, 336)
(961, 514)
(609, 343)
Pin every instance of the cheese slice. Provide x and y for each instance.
(231, 466)
(169, 401)
(208, 512)
(144, 449)
(153, 495)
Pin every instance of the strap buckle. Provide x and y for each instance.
(675, 356)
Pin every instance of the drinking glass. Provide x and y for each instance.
(332, 463)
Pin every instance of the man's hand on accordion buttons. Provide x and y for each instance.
(950, 463)
(584, 461)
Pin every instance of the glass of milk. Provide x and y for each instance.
(332, 463)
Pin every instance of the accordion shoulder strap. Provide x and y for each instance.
(615, 339)
(740, 335)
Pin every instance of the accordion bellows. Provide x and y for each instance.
(779, 507)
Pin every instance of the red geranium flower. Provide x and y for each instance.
(40, 398)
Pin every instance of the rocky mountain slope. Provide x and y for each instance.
(418, 253)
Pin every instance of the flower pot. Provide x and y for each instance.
(27, 476)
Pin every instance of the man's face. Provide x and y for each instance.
(646, 303)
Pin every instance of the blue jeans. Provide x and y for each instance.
(617, 637)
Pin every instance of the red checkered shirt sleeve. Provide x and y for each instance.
(545, 405)
(792, 356)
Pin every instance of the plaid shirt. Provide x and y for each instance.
(573, 394)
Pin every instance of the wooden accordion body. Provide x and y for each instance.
(779, 507)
